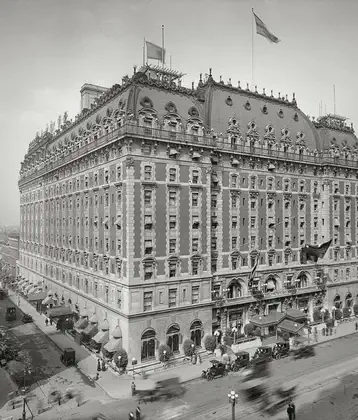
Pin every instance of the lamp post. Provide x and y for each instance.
(217, 334)
(134, 362)
(234, 330)
(233, 401)
(322, 314)
(308, 330)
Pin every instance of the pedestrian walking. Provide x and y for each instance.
(131, 416)
(51, 321)
(290, 412)
(98, 365)
(293, 410)
(46, 322)
(137, 413)
(103, 366)
(18, 301)
(133, 389)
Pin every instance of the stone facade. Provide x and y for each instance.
(141, 213)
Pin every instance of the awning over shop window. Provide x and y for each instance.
(101, 337)
(48, 301)
(290, 326)
(36, 297)
(113, 345)
(173, 152)
(91, 330)
(271, 319)
(59, 311)
(32, 290)
(196, 155)
(235, 162)
(81, 324)
(93, 319)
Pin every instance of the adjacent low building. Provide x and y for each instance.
(150, 209)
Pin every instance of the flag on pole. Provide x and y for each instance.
(262, 29)
(155, 52)
(312, 252)
(254, 268)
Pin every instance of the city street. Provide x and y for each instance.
(48, 373)
(208, 400)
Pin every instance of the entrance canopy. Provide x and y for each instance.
(59, 311)
(264, 321)
(295, 315)
(289, 326)
(36, 297)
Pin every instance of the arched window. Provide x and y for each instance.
(349, 300)
(173, 338)
(270, 284)
(234, 289)
(196, 333)
(337, 302)
(302, 280)
(148, 345)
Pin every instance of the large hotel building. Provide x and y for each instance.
(151, 207)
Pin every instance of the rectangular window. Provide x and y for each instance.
(214, 201)
(147, 173)
(234, 222)
(119, 298)
(195, 223)
(195, 268)
(195, 176)
(233, 182)
(148, 222)
(253, 222)
(172, 297)
(172, 175)
(234, 242)
(148, 246)
(172, 198)
(195, 294)
(148, 301)
(194, 199)
(172, 269)
(172, 246)
(148, 197)
(172, 222)
(233, 201)
(195, 245)
(148, 272)
(214, 244)
(253, 205)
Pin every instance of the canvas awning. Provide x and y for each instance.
(36, 297)
(101, 337)
(91, 330)
(113, 345)
(81, 324)
(271, 319)
(33, 289)
(93, 319)
(295, 314)
(59, 311)
(235, 162)
(196, 155)
(48, 301)
(173, 152)
(290, 326)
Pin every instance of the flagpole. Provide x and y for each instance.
(163, 53)
(252, 48)
(144, 53)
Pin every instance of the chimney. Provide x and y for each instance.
(89, 93)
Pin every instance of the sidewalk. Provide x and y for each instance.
(115, 386)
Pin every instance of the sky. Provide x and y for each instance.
(50, 48)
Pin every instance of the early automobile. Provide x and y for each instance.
(27, 318)
(10, 313)
(68, 356)
(264, 352)
(216, 369)
(281, 350)
(303, 352)
(148, 390)
(242, 360)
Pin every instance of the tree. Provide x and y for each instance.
(120, 358)
(338, 314)
(317, 315)
(346, 312)
(189, 348)
(210, 343)
(164, 353)
(249, 330)
(355, 309)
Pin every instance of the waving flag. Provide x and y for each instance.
(312, 252)
(262, 29)
(155, 52)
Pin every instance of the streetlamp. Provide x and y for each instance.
(233, 401)
(308, 330)
(334, 313)
(217, 334)
(323, 311)
(234, 330)
(134, 362)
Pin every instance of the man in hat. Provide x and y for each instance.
(133, 389)
(290, 412)
(293, 409)
(137, 413)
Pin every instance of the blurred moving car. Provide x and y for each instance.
(303, 351)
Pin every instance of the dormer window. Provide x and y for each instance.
(148, 173)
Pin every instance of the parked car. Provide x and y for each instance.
(216, 369)
(281, 350)
(264, 352)
(242, 360)
(26, 319)
(68, 357)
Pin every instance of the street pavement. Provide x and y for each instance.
(327, 384)
(48, 373)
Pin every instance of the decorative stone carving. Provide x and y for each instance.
(130, 163)
(233, 130)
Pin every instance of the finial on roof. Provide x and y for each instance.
(264, 91)
(247, 86)
(200, 80)
(201, 77)
(286, 98)
(210, 72)
(192, 85)
(294, 98)
(135, 69)
(279, 95)
(255, 89)
(221, 79)
(351, 125)
(238, 84)
(271, 93)
(179, 82)
(230, 82)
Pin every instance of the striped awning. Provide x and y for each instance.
(91, 330)
(101, 337)
(81, 324)
(113, 345)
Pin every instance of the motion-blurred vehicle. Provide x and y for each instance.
(68, 357)
(242, 361)
(216, 369)
(264, 352)
(26, 319)
(149, 390)
(303, 352)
